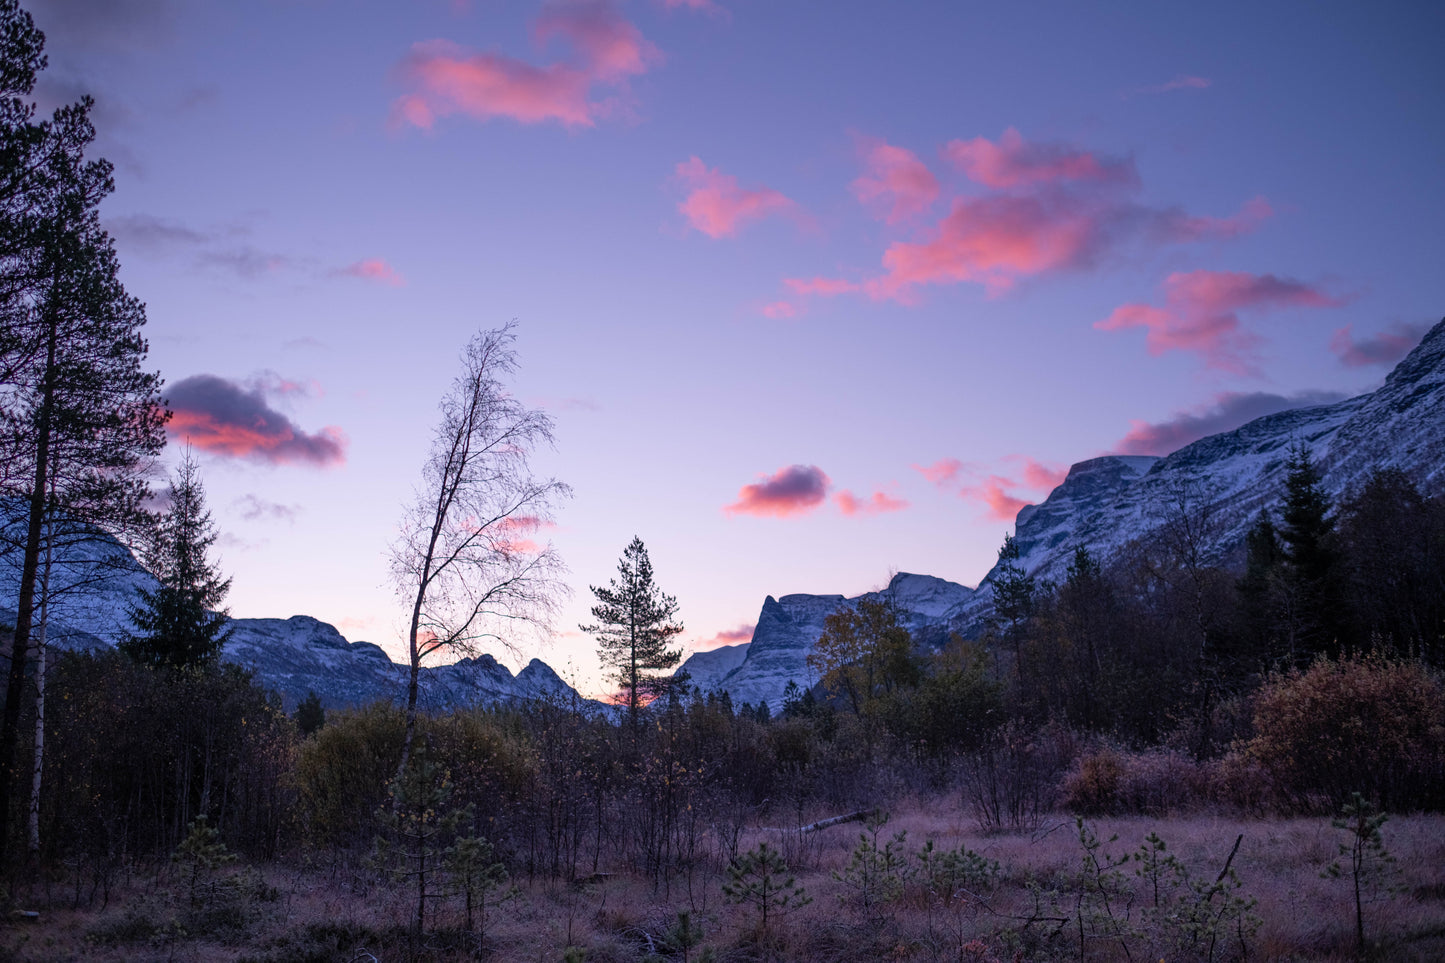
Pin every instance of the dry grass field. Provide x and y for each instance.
(1050, 897)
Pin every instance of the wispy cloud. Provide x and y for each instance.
(1384, 347)
(895, 183)
(1224, 412)
(717, 206)
(943, 472)
(1045, 207)
(1201, 314)
(743, 633)
(795, 490)
(254, 508)
(226, 418)
(442, 78)
(1011, 162)
(373, 269)
(875, 504)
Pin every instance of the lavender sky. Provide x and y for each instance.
(815, 292)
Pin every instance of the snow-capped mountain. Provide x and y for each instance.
(788, 627)
(99, 578)
(1105, 503)
(1108, 502)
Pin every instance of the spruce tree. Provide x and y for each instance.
(635, 623)
(1014, 597)
(180, 623)
(1311, 556)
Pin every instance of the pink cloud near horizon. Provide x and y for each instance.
(1001, 505)
(736, 636)
(444, 78)
(943, 472)
(876, 504)
(781, 310)
(224, 418)
(1385, 347)
(717, 206)
(1201, 314)
(1224, 412)
(374, 269)
(895, 183)
(1011, 162)
(790, 491)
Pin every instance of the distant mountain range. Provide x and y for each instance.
(1104, 504)
(99, 579)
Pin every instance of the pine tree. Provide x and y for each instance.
(1014, 596)
(80, 418)
(180, 623)
(634, 625)
(1311, 556)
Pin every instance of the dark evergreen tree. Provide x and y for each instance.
(181, 622)
(1263, 561)
(635, 623)
(1392, 540)
(1311, 554)
(80, 419)
(310, 714)
(1014, 596)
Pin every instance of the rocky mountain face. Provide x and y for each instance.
(1226, 479)
(97, 579)
(1109, 502)
(788, 627)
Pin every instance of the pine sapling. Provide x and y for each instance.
(1364, 853)
(758, 878)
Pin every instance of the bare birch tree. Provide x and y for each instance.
(466, 561)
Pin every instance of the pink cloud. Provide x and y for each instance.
(877, 503)
(781, 310)
(826, 287)
(444, 78)
(1387, 347)
(224, 418)
(1181, 228)
(943, 472)
(374, 269)
(794, 490)
(717, 206)
(611, 48)
(1012, 162)
(895, 182)
(1225, 412)
(1201, 314)
(743, 633)
(1000, 504)
(994, 240)
(1040, 476)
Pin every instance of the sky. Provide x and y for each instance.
(814, 293)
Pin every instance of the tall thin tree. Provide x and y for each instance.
(82, 419)
(466, 561)
(635, 623)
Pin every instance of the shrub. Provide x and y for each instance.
(1370, 724)
(1108, 781)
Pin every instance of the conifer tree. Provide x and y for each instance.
(1014, 593)
(635, 622)
(80, 419)
(181, 623)
(1311, 556)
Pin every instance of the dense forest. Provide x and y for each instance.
(160, 804)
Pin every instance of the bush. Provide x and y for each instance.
(1372, 724)
(1110, 782)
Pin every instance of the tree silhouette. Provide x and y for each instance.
(634, 625)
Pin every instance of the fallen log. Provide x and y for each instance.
(857, 817)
